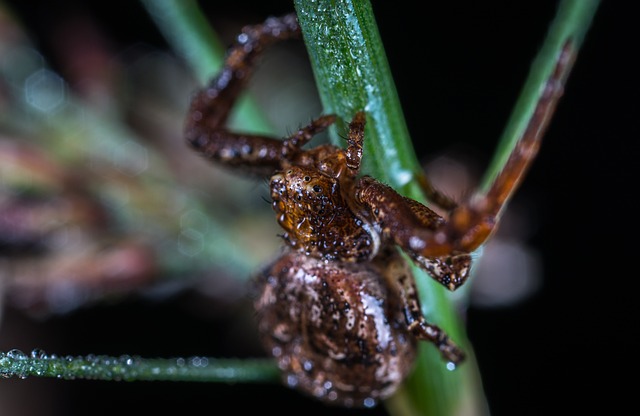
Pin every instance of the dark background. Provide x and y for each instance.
(458, 69)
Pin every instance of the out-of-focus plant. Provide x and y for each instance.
(90, 205)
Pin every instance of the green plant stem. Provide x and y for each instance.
(14, 363)
(571, 23)
(352, 74)
(188, 32)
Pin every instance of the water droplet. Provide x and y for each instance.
(45, 91)
(292, 380)
(199, 361)
(369, 402)
(39, 354)
(308, 365)
(15, 354)
(451, 366)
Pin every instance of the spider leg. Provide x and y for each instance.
(527, 146)
(400, 279)
(410, 223)
(433, 195)
(205, 129)
(355, 142)
(437, 244)
(451, 271)
(294, 142)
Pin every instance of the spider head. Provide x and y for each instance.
(306, 201)
(311, 198)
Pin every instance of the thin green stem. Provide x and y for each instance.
(188, 32)
(15, 363)
(571, 23)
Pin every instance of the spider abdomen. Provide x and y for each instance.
(335, 328)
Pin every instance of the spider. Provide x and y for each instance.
(339, 309)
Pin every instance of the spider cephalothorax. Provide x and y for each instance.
(311, 200)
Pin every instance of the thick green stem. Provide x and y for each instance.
(352, 74)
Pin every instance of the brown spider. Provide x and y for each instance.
(339, 308)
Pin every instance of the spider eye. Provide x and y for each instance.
(317, 188)
(307, 178)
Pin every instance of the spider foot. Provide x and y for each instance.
(448, 349)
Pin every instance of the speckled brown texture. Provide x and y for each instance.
(336, 328)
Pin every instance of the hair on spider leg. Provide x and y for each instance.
(265, 199)
(263, 185)
(301, 127)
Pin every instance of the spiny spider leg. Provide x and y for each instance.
(527, 147)
(400, 279)
(205, 129)
(355, 141)
(292, 144)
(449, 270)
(470, 224)
(409, 223)
(433, 195)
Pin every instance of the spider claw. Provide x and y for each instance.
(448, 349)
(452, 353)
